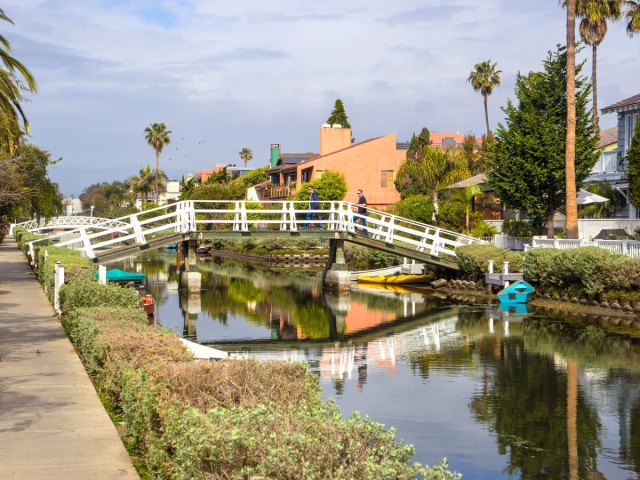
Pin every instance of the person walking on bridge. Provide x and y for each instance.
(361, 212)
(314, 205)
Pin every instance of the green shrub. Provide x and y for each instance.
(89, 293)
(517, 228)
(482, 229)
(363, 258)
(249, 244)
(274, 243)
(75, 265)
(473, 259)
(416, 207)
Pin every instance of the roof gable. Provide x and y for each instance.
(631, 103)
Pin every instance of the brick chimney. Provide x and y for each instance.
(334, 138)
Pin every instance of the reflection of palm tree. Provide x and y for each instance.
(572, 418)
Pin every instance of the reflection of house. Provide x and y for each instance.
(370, 165)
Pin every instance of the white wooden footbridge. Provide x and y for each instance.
(210, 219)
(67, 222)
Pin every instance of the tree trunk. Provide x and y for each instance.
(486, 112)
(571, 226)
(435, 203)
(550, 229)
(157, 170)
(594, 76)
(572, 418)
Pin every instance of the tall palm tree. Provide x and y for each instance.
(571, 205)
(633, 17)
(593, 28)
(157, 137)
(142, 183)
(484, 78)
(246, 155)
(14, 78)
(439, 167)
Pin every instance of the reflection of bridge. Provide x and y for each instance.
(68, 222)
(197, 220)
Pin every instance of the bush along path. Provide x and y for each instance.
(185, 419)
(52, 424)
(587, 277)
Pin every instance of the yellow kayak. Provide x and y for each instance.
(393, 279)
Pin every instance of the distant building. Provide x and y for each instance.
(233, 170)
(72, 206)
(172, 193)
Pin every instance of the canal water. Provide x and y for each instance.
(500, 394)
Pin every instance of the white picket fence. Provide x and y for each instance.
(630, 248)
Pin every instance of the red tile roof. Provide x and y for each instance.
(608, 137)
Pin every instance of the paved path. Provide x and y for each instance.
(52, 424)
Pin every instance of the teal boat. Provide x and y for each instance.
(517, 292)
(117, 275)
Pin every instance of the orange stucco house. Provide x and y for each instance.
(371, 165)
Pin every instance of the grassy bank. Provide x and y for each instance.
(186, 419)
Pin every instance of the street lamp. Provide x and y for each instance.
(92, 207)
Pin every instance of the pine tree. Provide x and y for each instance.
(338, 115)
(418, 144)
(633, 167)
(527, 162)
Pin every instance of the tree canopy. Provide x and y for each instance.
(331, 186)
(484, 78)
(246, 154)
(15, 79)
(527, 162)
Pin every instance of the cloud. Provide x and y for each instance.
(252, 73)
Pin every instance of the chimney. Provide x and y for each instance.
(334, 138)
(275, 154)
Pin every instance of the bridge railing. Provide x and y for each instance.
(243, 216)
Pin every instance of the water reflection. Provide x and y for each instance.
(502, 394)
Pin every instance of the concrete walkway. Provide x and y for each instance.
(52, 424)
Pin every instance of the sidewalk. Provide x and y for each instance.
(52, 424)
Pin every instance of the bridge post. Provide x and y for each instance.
(190, 278)
(336, 276)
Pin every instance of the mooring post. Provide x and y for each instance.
(58, 281)
(490, 266)
(336, 276)
(102, 274)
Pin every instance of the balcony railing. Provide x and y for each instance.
(281, 191)
(607, 163)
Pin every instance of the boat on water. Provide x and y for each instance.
(171, 246)
(518, 292)
(393, 279)
(121, 276)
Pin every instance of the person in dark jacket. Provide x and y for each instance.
(314, 204)
(361, 212)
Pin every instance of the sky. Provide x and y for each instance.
(226, 75)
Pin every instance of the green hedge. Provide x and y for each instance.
(227, 419)
(585, 271)
(88, 292)
(473, 259)
(75, 266)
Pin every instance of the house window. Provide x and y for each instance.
(386, 178)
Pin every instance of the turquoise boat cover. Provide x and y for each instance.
(117, 275)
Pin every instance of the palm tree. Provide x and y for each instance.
(483, 78)
(633, 17)
(157, 137)
(246, 155)
(14, 78)
(142, 183)
(593, 28)
(438, 168)
(571, 205)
